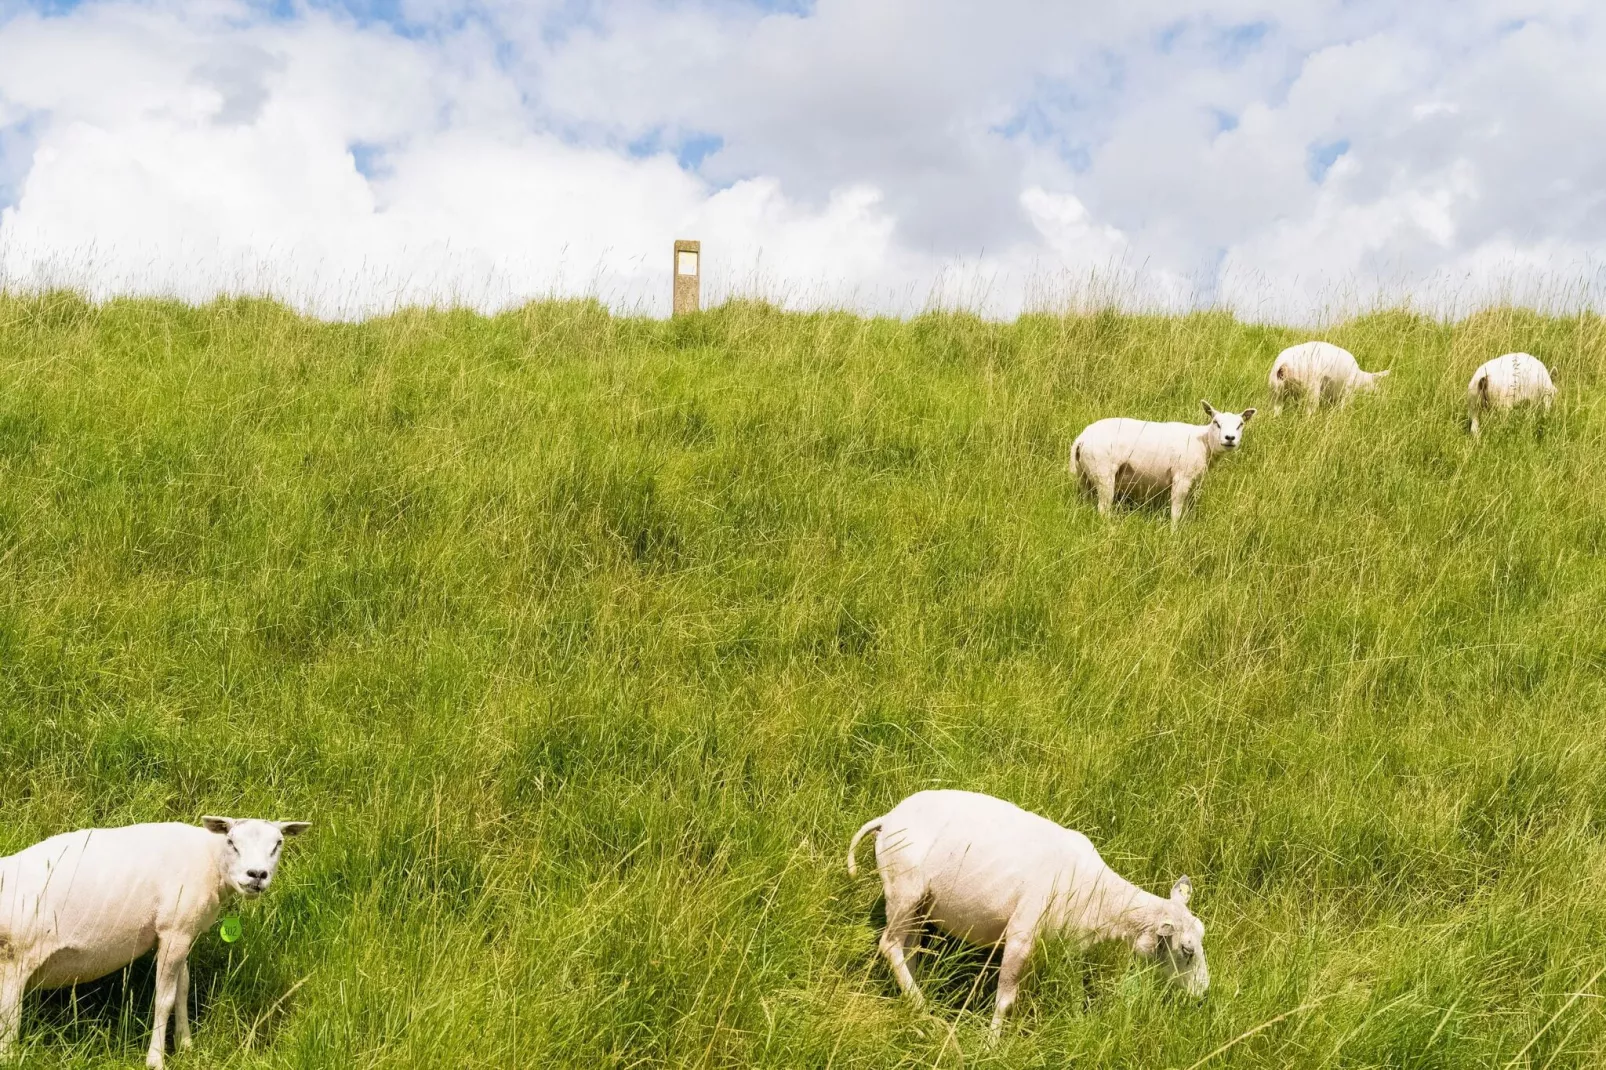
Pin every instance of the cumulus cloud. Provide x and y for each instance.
(1286, 160)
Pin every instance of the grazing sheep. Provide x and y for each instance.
(1315, 369)
(1506, 382)
(1142, 459)
(991, 873)
(84, 904)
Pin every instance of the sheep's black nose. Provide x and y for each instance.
(257, 874)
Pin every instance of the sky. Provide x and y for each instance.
(1290, 161)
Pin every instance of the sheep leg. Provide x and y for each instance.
(903, 923)
(1106, 491)
(1017, 949)
(181, 1009)
(172, 949)
(1179, 499)
(1313, 399)
(12, 985)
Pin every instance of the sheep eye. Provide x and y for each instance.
(276, 848)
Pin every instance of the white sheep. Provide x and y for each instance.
(1315, 370)
(1506, 382)
(84, 904)
(1142, 459)
(990, 873)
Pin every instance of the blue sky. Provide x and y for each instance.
(872, 153)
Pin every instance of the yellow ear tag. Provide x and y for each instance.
(231, 929)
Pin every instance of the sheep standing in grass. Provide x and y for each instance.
(84, 904)
(1506, 382)
(991, 873)
(1315, 370)
(1143, 459)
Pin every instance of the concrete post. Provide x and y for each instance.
(688, 276)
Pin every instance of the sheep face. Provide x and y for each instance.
(1175, 941)
(251, 850)
(1227, 428)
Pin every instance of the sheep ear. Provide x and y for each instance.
(1247, 415)
(294, 828)
(1208, 410)
(219, 825)
(1182, 891)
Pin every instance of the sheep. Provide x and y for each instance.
(990, 873)
(1142, 458)
(1506, 382)
(1317, 368)
(83, 904)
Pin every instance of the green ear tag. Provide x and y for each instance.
(231, 929)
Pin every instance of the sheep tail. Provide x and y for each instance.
(873, 825)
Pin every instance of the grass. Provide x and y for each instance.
(586, 643)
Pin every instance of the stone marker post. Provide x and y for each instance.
(688, 276)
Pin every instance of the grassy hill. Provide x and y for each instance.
(587, 642)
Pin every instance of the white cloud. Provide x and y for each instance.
(870, 153)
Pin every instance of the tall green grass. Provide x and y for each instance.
(586, 642)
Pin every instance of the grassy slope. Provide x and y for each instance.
(587, 642)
